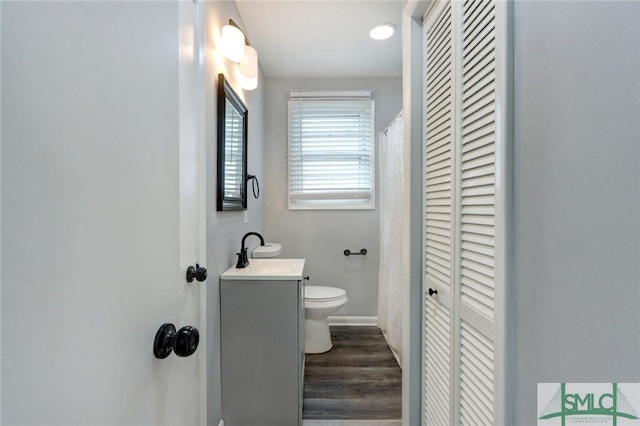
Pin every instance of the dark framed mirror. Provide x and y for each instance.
(232, 148)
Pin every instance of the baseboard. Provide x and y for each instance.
(355, 321)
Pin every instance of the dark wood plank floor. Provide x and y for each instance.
(358, 379)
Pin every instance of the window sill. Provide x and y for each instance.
(332, 207)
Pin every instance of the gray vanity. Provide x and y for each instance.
(262, 339)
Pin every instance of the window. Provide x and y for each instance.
(331, 150)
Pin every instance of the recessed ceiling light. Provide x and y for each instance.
(382, 31)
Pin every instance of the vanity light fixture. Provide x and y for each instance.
(382, 31)
(236, 48)
(232, 42)
(248, 68)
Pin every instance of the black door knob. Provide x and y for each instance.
(184, 342)
(187, 339)
(432, 292)
(197, 272)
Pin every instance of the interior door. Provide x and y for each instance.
(439, 213)
(192, 193)
(464, 214)
(97, 208)
(477, 330)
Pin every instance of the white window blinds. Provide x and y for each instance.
(234, 152)
(331, 150)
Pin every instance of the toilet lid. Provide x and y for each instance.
(323, 294)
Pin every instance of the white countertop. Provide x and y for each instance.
(267, 269)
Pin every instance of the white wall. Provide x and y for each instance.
(577, 195)
(225, 229)
(320, 236)
(90, 215)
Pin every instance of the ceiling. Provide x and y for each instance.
(311, 38)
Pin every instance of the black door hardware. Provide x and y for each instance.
(184, 342)
(432, 292)
(198, 272)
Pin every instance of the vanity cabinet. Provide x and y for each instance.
(262, 351)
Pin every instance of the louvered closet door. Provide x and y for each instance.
(438, 213)
(476, 198)
(464, 222)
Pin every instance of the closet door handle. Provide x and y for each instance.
(432, 292)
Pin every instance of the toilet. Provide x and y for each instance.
(319, 303)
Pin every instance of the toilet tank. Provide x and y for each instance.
(266, 251)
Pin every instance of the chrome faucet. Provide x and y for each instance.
(243, 260)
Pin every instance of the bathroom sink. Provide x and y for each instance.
(267, 269)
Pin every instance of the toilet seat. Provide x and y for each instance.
(323, 293)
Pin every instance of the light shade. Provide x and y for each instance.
(382, 31)
(232, 43)
(249, 69)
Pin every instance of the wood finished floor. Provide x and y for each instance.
(358, 379)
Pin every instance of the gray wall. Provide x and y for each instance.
(577, 195)
(0, 220)
(320, 236)
(225, 229)
(412, 30)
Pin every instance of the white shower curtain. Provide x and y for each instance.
(391, 274)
